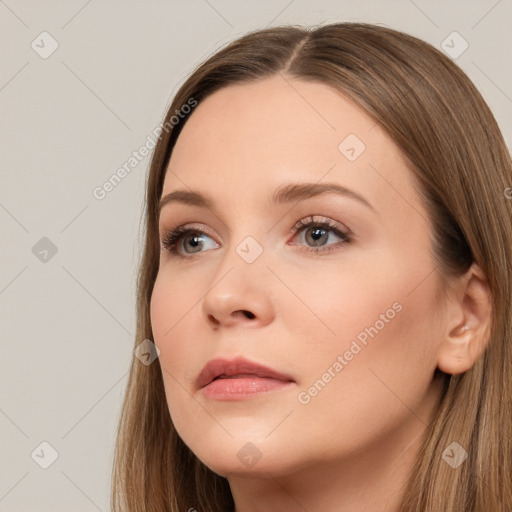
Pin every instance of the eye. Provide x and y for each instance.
(182, 237)
(316, 232)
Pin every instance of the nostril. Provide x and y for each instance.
(213, 319)
(248, 314)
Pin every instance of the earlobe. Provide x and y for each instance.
(468, 324)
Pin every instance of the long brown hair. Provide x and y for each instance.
(457, 154)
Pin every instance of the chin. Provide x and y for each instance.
(241, 456)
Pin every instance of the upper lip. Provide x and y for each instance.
(217, 367)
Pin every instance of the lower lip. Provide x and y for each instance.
(242, 388)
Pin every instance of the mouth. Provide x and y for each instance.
(237, 379)
(238, 376)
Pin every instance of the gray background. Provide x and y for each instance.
(68, 122)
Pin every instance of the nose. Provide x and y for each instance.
(239, 294)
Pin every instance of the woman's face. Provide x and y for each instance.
(353, 324)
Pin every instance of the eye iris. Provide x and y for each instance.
(317, 233)
(197, 241)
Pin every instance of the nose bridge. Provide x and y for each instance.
(244, 260)
(240, 283)
(248, 235)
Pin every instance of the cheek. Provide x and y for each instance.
(171, 310)
(375, 371)
(175, 297)
(172, 307)
(381, 300)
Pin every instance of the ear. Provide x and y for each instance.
(467, 328)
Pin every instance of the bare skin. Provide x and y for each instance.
(351, 444)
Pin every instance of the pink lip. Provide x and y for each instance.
(242, 378)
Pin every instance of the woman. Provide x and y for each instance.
(326, 279)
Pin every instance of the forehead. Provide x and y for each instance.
(245, 140)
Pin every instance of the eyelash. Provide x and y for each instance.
(174, 236)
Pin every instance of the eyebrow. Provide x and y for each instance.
(286, 193)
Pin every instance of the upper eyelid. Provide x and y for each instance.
(185, 225)
(314, 217)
